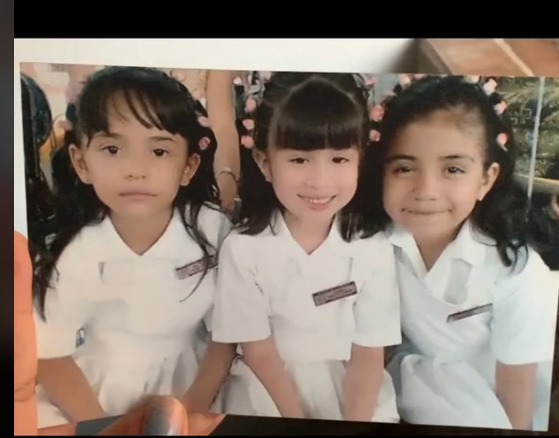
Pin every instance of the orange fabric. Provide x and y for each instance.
(25, 372)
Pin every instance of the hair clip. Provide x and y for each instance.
(500, 107)
(248, 124)
(376, 113)
(374, 135)
(490, 86)
(502, 139)
(204, 143)
(247, 141)
(204, 121)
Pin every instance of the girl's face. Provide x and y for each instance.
(135, 171)
(434, 176)
(311, 185)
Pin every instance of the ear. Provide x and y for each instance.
(489, 179)
(263, 163)
(192, 164)
(79, 164)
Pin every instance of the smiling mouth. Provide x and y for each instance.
(317, 201)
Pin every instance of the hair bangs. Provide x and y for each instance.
(154, 104)
(317, 116)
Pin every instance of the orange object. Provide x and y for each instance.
(161, 415)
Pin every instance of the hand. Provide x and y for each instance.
(161, 415)
(228, 191)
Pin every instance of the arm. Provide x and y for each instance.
(211, 375)
(515, 388)
(362, 383)
(263, 359)
(377, 326)
(68, 389)
(221, 112)
(523, 335)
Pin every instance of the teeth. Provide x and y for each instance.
(318, 201)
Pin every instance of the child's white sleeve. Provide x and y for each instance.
(66, 311)
(377, 308)
(525, 314)
(240, 311)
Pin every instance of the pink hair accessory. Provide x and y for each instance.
(374, 135)
(250, 105)
(490, 86)
(502, 139)
(204, 121)
(248, 124)
(500, 107)
(247, 141)
(204, 143)
(376, 113)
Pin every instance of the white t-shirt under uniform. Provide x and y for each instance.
(265, 288)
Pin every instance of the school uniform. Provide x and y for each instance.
(145, 328)
(265, 288)
(444, 371)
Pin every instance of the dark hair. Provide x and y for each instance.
(155, 99)
(503, 214)
(306, 112)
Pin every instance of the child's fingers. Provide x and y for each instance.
(163, 415)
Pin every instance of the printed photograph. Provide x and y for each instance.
(329, 246)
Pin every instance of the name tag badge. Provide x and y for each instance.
(196, 267)
(470, 312)
(334, 294)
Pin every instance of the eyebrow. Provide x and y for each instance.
(445, 158)
(119, 136)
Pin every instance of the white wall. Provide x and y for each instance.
(346, 55)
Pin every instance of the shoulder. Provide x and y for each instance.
(79, 258)
(212, 222)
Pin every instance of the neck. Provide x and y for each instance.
(431, 247)
(141, 235)
(309, 234)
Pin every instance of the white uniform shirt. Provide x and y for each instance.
(266, 285)
(518, 328)
(125, 301)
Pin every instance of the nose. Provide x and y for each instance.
(136, 167)
(426, 186)
(318, 174)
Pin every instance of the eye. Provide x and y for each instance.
(340, 160)
(110, 149)
(160, 152)
(453, 170)
(298, 160)
(402, 169)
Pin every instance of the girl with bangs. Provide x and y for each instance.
(134, 263)
(311, 300)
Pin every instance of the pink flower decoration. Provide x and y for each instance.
(404, 80)
(247, 141)
(490, 86)
(250, 105)
(204, 121)
(377, 113)
(502, 141)
(473, 78)
(204, 143)
(374, 135)
(500, 107)
(248, 124)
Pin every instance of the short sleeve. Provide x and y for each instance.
(525, 314)
(377, 308)
(240, 312)
(66, 311)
